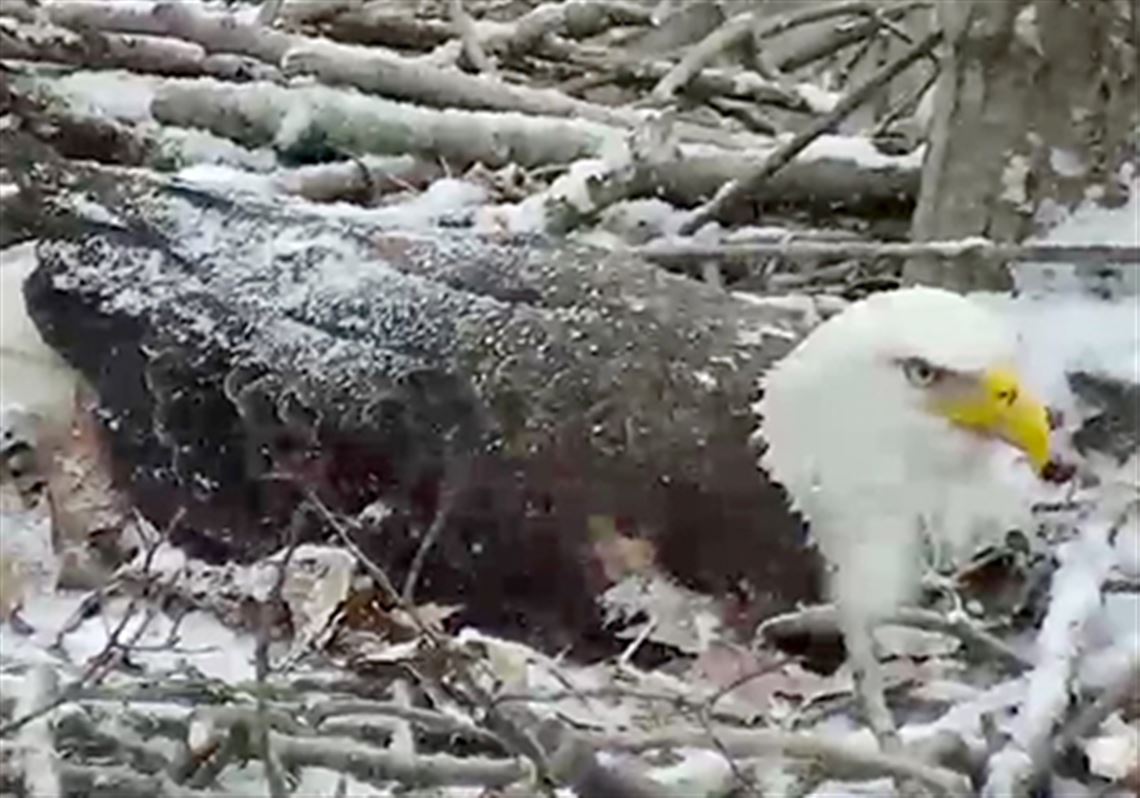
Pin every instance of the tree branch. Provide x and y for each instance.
(737, 190)
(669, 252)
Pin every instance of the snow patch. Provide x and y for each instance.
(113, 94)
(1089, 224)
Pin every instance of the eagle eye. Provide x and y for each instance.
(920, 373)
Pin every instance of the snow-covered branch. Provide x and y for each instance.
(1075, 599)
(790, 248)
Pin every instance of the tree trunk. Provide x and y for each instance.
(1035, 112)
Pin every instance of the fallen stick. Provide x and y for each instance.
(574, 18)
(259, 114)
(853, 761)
(39, 760)
(371, 764)
(736, 29)
(1075, 598)
(366, 69)
(123, 782)
(737, 190)
(398, 78)
(362, 179)
(137, 52)
(326, 711)
(824, 619)
(469, 35)
(738, 83)
(381, 23)
(947, 250)
(96, 50)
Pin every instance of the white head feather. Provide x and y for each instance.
(861, 455)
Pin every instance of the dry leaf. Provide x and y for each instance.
(317, 582)
(619, 554)
(88, 513)
(682, 618)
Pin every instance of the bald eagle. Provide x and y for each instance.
(878, 424)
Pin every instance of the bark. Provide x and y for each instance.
(1035, 111)
(232, 343)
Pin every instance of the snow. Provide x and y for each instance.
(32, 375)
(444, 200)
(220, 176)
(819, 100)
(1090, 223)
(190, 146)
(857, 149)
(1061, 333)
(126, 97)
(1075, 600)
(700, 773)
(215, 650)
(113, 94)
(1114, 755)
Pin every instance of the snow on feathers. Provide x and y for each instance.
(864, 428)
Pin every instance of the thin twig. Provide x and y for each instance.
(745, 678)
(737, 29)
(736, 190)
(760, 742)
(825, 618)
(521, 740)
(417, 716)
(906, 106)
(746, 783)
(472, 48)
(39, 758)
(452, 485)
(100, 664)
(273, 775)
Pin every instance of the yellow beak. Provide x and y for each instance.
(1000, 407)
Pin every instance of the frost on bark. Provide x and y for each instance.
(1036, 112)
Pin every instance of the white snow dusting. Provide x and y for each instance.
(1089, 224)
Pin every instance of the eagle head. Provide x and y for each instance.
(882, 425)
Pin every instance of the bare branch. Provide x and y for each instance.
(465, 27)
(277, 788)
(837, 757)
(453, 483)
(742, 26)
(1076, 595)
(576, 18)
(737, 190)
(825, 619)
(520, 739)
(792, 249)
(40, 762)
(425, 718)
(369, 763)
